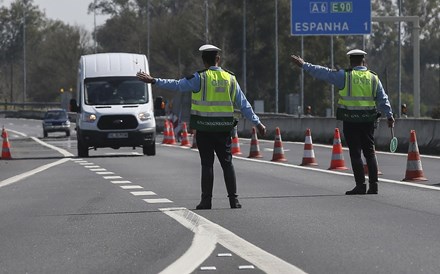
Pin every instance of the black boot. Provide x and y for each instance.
(234, 203)
(357, 190)
(372, 189)
(205, 203)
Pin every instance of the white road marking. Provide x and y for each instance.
(17, 132)
(224, 255)
(121, 182)
(31, 172)
(242, 267)
(60, 150)
(143, 193)
(86, 164)
(157, 201)
(91, 166)
(98, 169)
(208, 268)
(38, 169)
(131, 187)
(104, 172)
(199, 225)
(112, 177)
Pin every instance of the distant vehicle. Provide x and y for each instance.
(115, 109)
(56, 120)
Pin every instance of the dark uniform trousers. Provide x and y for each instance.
(360, 138)
(220, 143)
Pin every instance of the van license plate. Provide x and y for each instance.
(117, 135)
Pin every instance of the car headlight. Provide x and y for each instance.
(89, 117)
(144, 116)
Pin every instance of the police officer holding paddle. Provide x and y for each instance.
(215, 91)
(361, 95)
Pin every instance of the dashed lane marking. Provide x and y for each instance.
(104, 172)
(121, 182)
(157, 201)
(91, 166)
(243, 267)
(143, 193)
(98, 169)
(208, 268)
(131, 187)
(112, 177)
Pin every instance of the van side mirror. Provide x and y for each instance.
(73, 107)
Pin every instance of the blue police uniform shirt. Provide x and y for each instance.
(337, 78)
(193, 84)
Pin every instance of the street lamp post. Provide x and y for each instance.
(24, 51)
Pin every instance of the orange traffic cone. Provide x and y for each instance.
(194, 139)
(235, 146)
(278, 151)
(171, 137)
(255, 147)
(165, 132)
(6, 152)
(414, 170)
(185, 140)
(337, 162)
(309, 153)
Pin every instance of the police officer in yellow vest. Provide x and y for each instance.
(215, 91)
(360, 95)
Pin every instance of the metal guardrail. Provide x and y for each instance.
(29, 105)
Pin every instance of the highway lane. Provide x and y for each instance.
(71, 219)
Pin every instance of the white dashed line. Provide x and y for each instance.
(208, 268)
(131, 187)
(98, 169)
(86, 164)
(121, 182)
(112, 177)
(143, 193)
(104, 172)
(91, 166)
(224, 255)
(243, 267)
(157, 201)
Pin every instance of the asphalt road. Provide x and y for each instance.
(121, 212)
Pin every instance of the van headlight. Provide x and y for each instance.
(144, 116)
(89, 117)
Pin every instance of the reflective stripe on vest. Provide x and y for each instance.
(359, 92)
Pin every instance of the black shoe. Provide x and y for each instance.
(372, 189)
(357, 190)
(234, 203)
(204, 204)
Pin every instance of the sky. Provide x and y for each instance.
(72, 12)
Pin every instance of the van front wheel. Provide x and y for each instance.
(149, 149)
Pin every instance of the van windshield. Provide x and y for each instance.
(115, 91)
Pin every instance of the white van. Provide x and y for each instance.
(114, 109)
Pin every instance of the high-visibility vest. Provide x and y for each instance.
(212, 107)
(357, 100)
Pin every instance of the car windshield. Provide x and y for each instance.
(115, 91)
(55, 115)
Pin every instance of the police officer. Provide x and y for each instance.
(215, 91)
(360, 94)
